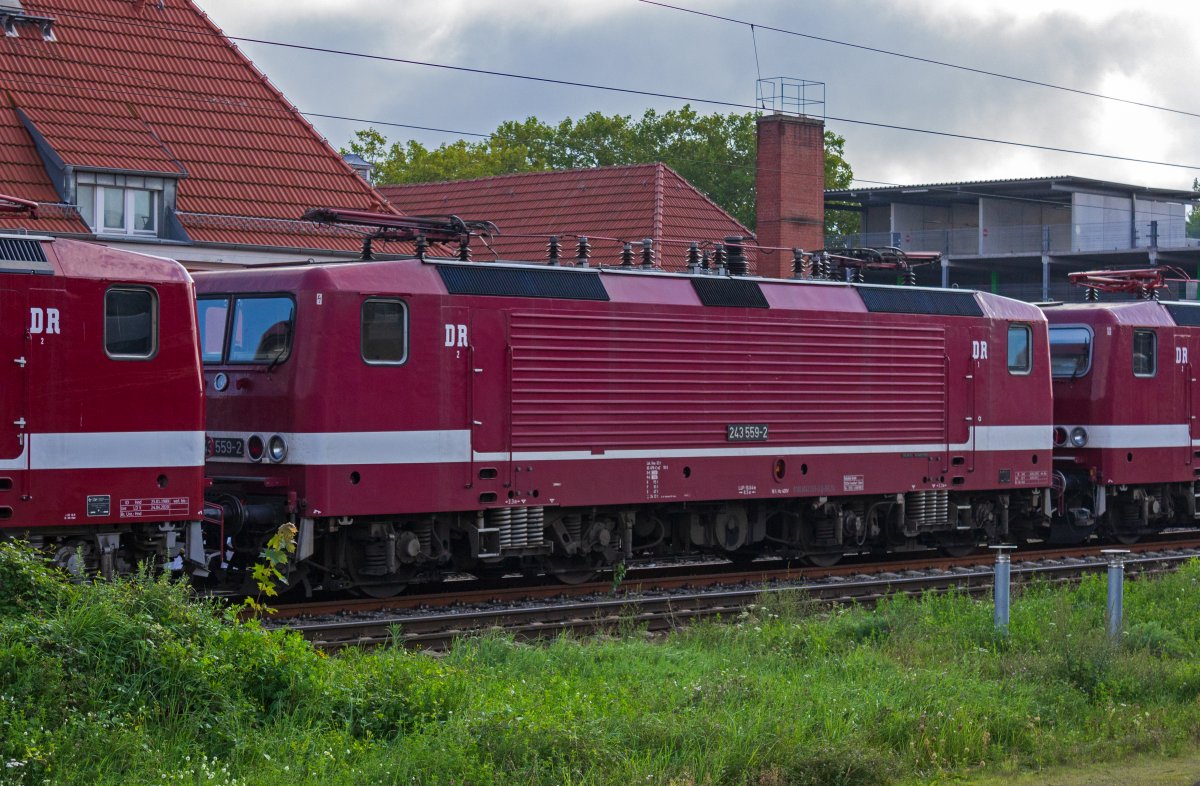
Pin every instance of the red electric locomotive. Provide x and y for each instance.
(417, 415)
(1125, 403)
(102, 421)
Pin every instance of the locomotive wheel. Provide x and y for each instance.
(825, 559)
(962, 548)
(1126, 538)
(376, 586)
(382, 589)
(76, 556)
(573, 570)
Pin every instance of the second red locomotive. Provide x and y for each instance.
(102, 412)
(1125, 409)
(414, 416)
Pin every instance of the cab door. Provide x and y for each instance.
(14, 394)
(488, 376)
(1185, 390)
(976, 389)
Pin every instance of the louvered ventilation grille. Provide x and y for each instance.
(517, 282)
(16, 250)
(729, 292)
(898, 300)
(1184, 314)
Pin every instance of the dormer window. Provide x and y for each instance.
(120, 204)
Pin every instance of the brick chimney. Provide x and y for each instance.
(790, 186)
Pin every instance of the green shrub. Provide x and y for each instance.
(28, 585)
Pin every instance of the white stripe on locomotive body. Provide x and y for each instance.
(454, 446)
(109, 450)
(1170, 435)
(378, 447)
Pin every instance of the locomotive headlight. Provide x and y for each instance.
(1060, 436)
(1078, 436)
(255, 448)
(276, 449)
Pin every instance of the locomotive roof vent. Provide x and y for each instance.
(736, 256)
(1184, 314)
(22, 255)
(902, 300)
(534, 281)
(720, 291)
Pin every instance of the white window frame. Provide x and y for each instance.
(128, 193)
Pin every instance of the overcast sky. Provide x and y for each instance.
(1147, 52)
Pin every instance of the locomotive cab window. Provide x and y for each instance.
(1020, 349)
(384, 331)
(1070, 351)
(130, 323)
(1145, 352)
(211, 316)
(260, 330)
(246, 328)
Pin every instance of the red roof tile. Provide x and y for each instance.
(155, 87)
(609, 205)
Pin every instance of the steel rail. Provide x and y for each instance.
(658, 613)
(645, 579)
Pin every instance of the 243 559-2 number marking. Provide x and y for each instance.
(746, 432)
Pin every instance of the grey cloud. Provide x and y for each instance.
(640, 46)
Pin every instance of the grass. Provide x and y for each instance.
(136, 682)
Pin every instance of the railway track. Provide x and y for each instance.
(662, 601)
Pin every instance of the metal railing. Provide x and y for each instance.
(1028, 239)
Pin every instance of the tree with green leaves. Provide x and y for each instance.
(1193, 222)
(716, 153)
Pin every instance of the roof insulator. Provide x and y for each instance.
(552, 250)
(801, 265)
(464, 248)
(647, 253)
(693, 257)
(422, 246)
(719, 258)
(738, 265)
(583, 252)
(627, 255)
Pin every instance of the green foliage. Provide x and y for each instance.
(267, 572)
(618, 575)
(137, 681)
(714, 152)
(27, 583)
(1193, 221)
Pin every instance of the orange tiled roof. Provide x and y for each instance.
(144, 86)
(607, 204)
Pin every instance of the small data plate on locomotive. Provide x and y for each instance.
(228, 447)
(99, 505)
(746, 432)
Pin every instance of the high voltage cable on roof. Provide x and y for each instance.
(649, 93)
(927, 60)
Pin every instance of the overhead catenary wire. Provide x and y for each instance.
(656, 94)
(265, 109)
(927, 60)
